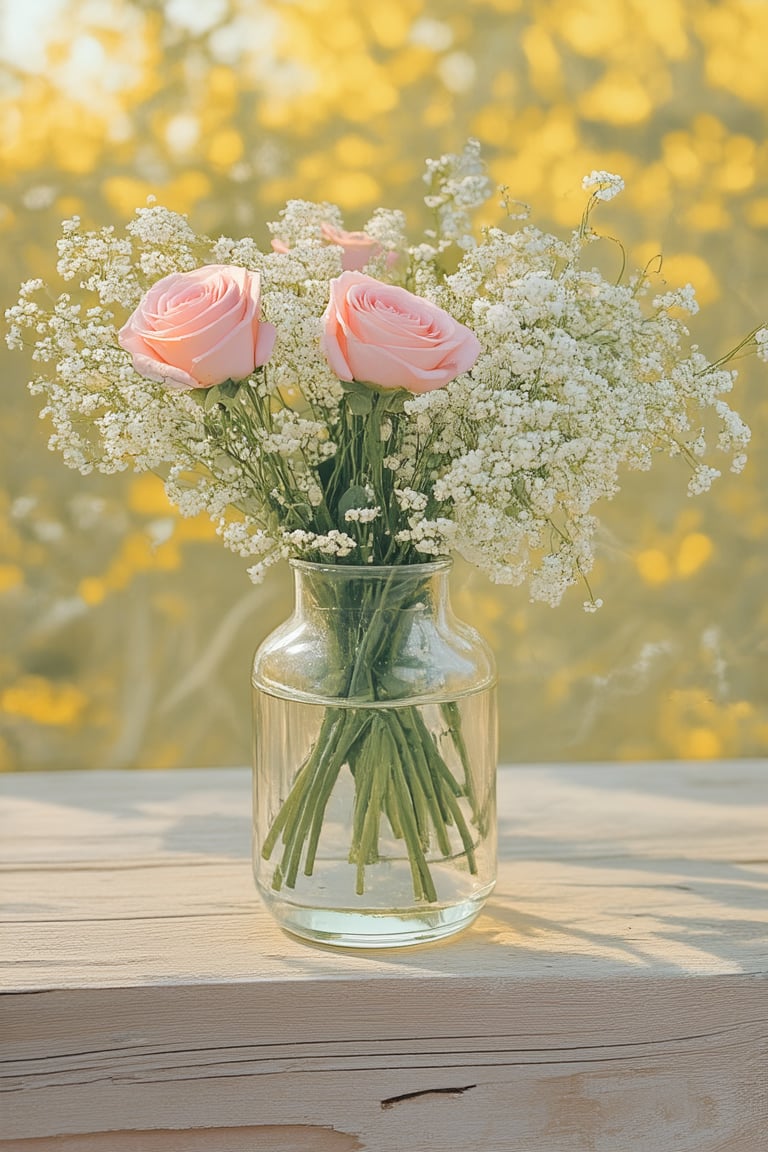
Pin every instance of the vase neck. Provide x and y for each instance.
(358, 591)
(372, 637)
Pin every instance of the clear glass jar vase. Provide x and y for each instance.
(374, 759)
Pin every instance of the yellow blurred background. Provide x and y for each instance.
(128, 632)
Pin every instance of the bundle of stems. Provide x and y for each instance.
(400, 773)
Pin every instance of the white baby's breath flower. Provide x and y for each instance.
(362, 515)
(702, 480)
(409, 500)
(683, 298)
(578, 379)
(603, 185)
(332, 543)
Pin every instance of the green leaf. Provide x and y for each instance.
(393, 401)
(362, 398)
(304, 513)
(224, 395)
(360, 403)
(212, 398)
(354, 497)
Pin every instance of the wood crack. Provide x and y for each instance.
(391, 1101)
(246, 1053)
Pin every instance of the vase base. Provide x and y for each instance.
(373, 928)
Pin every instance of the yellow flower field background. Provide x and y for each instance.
(127, 630)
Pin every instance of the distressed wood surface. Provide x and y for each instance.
(613, 997)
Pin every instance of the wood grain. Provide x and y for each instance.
(613, 997)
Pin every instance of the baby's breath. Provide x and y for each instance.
(603, 185)
(578, 379)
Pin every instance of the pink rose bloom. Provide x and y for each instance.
(357, 247)
(200, 328)
(381, 334)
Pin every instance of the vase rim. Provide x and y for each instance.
(427, 568)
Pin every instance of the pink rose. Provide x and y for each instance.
(196, 329)
(357, 248)
(381, 334)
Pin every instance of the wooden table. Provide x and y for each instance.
(613, 997)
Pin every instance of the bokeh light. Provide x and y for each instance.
(128, 631)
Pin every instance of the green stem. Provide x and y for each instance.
(423, 884)
(461, 827)
(367, 849)
(326, 788)
(452, 717)
(413, 754)
(363, 773)
(294, 800)
(390, 807)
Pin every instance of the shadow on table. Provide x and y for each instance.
(623, 873)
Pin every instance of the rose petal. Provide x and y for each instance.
(173, 378)
(384, 335)
(331, 345)
(266, 334)
(358, 248)
(369, 330)
(201, 325)
(191, 321)
(382, 366)
(230, 359)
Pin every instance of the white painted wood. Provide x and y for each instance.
(613, 997)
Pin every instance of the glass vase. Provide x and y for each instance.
(374, 759)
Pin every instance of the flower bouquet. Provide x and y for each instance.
(355, 400)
